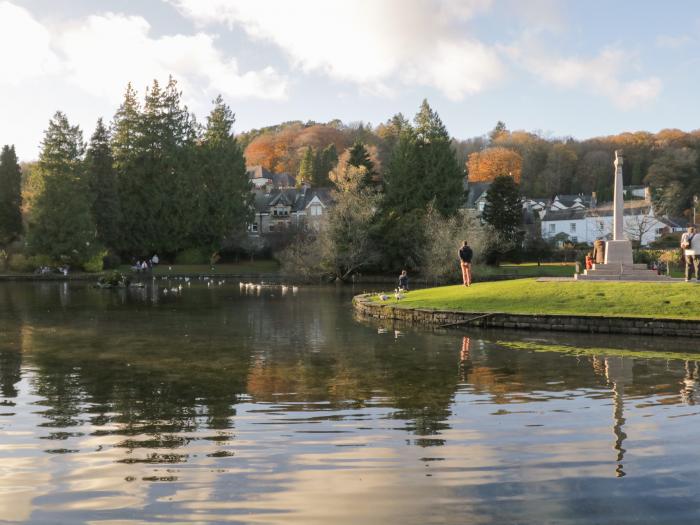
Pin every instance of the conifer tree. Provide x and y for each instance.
(306, 167)
(359, 157)
(62, 226)
(224, 189)
(441, 177)
(102, 183)
(326, 160)
(10, 196)
(154, 157)
(503, 209)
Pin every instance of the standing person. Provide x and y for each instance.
(403, 281)
(690, 243)
(465, 261)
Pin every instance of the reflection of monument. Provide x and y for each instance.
(618, 264)
(618, 371)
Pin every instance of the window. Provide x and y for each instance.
(315, 210)
(574, 240)
(254, 227)
(552, 228)
(272, 227)
(572, 228)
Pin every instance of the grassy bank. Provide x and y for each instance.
(527, 296)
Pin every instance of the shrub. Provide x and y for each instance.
(192, 256)
(95, 263)
(20, 263)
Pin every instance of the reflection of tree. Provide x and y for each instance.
(10, 344)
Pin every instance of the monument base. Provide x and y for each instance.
(619, 266)
(618, 252)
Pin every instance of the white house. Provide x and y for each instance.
(587, 225)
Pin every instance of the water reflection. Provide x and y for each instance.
(224, 405)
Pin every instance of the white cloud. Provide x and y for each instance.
(376, 45)
(602, 75)
(24, 46)
(103, 52)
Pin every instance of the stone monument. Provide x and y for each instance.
(619, 265)
(619, 250)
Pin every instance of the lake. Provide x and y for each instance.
(215, 404)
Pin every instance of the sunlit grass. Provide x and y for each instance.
(527, 296)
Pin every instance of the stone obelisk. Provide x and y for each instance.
(619, 250)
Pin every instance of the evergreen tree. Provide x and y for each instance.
(154, 156)
(326, 160)
(440, 176)
(10, 196)
(63, 227)
(306, 167)
(359, 157)
(103, 186)
(503, 209)
(498, 130)
(402, 177)
(224, 189)
(424, 167)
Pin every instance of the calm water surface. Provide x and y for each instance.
(214, 405)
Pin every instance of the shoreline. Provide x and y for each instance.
(591, 324)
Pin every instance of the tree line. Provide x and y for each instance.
(153, 181)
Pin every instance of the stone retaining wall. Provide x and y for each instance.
(562, 323)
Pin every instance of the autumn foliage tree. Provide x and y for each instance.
(486, 165)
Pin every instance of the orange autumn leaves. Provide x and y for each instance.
(486, 165)
(280, 151)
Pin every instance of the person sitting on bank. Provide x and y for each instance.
(690, 243)
(465, 261)
(403, 281)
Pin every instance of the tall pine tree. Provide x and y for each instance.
(224, 194)
(326, 160)
(306, 167)
(10, 196)
(441, 176)
(359, 157)
(102, 182)
(154, 152)
(62, 227)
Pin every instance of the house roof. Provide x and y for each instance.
(283, 180)
(633, 207)
(297, 199)
(476, 190)
(573, 214)
(258, 172)
(570, 200)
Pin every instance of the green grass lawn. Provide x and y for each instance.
(527, 296)
(527, 270)
(246, 267)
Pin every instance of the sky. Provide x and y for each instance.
(557, 67)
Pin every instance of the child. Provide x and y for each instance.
(589, 261)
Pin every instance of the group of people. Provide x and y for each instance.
(146, 264)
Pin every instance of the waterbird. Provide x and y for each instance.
(295, 289)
